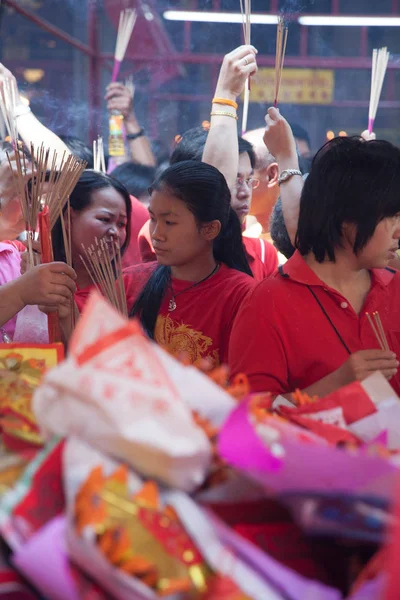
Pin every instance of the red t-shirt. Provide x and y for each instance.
(262, 256)
(140, 215)
(82, 294)
(283, 340)
(202, 322)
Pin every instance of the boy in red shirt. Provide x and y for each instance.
(307, 327)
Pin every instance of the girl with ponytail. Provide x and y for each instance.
(193, 292)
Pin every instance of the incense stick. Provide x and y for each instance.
(105, 270)
(377, 328)
(130, 85)
(49, 186)
(245, 8)
(99, 161)
(380, 59)
(281, 41)
(127, 20)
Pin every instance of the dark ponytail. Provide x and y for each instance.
(206, 194)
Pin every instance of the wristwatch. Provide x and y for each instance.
(135, 136)
(287, 174)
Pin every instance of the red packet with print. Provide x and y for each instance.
(331, 433)
(22, 367)
(352, 399)
(37, 497)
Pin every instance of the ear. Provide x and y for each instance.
(211, 230)
(272, 174)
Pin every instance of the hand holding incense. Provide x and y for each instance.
(380, 59)
(281, 40)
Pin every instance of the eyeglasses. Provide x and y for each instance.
(251, 182)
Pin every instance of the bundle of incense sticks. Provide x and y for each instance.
(48, 186)
(245, 7)
(130, 85)
(99, 162)
(127, 20)
(102, 261)
(281, 40)
(8, 104)
(377, 328)
(380, 59)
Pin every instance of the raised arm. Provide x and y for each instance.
(30, 129)
(278, 138)
(221, 149)
(119, 97)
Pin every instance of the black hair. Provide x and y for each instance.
(136, 178)
(78, 149)
(350, 181)
(278, 231)
(81, 198)
(192, 142)
(300, 133)
(206, 194)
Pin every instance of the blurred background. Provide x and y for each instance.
(61, 53)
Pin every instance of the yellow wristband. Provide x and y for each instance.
(226, 102)
(223, 114)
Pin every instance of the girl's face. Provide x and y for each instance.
(175, 234)
(382, 246)
(105, 217)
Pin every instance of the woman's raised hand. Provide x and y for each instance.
(236, 68)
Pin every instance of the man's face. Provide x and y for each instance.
(242, 192)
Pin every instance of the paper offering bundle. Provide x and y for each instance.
(298, 454)
(123, 394)
(135, 540)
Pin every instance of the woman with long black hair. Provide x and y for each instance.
(187, 301)
(100, 209)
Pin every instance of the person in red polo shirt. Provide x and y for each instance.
(307, 327)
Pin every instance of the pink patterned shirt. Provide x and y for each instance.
(10, 261)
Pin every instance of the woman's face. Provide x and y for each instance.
(382, 246)
(175, 235)
(105, 217)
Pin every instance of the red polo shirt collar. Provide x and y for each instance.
(298, 270)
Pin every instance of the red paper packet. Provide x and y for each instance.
(44, 499)
(331, 433)
(353, 399)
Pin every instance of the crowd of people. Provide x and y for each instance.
(205, 237)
